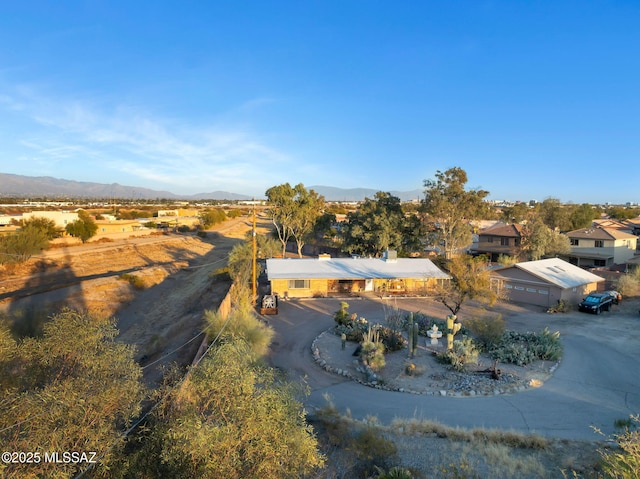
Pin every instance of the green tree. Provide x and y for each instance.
(18, 247)
(539, 240)
(294, 211)
(212, 216)
(325, 228)
(413, 233)
(281, 212)
(516, 213)
(470, 280)
(240, 259)
(84, 227)
(554, 214)
(623, 213)
(308, 207)
(45, 224)
(375, 227)
(72, 389)
(448, 208)
(582, 216)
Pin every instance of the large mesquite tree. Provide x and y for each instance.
(448, 208)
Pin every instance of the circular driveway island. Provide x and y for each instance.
(596, 383)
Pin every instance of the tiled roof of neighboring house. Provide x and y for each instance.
(623, 226)
(352, 268)
(501, 229)
(600, 234)
(558, 272)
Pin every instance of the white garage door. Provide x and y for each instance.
(524, 293)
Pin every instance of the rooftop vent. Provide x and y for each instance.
(391, 256)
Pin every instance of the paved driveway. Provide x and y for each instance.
(597, 382)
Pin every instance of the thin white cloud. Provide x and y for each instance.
(168, 153)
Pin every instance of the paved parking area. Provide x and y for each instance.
(597, 382)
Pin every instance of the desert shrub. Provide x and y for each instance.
(342, 316)
(392, 339)
(393, 318)
(135, 281)
(488, 330)
(629, 283)
(372, 352)
(372, 449)
(464, 352)
(624, 462)
(354, 332)
(234, 213)
(221, 274)
(240, 324)
(524, 348)
(183, 229)
(423, 321)
(394, 473)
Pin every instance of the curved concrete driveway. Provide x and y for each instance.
(597, 382)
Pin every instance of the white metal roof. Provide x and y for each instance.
(559, 272)
(351, 268)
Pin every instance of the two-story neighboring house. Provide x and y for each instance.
(599, 246)
(499, 239)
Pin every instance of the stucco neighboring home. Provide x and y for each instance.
(634, 225)
(545, 282)
(106, 227)
(592, 247)
(499, 239)
(326, 276)
(61, 218)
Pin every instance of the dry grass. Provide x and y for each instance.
(437, 451)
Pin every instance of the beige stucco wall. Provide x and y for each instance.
(320, 287)
(317, 287)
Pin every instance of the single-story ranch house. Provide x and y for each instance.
(326, 276)
(545, 282)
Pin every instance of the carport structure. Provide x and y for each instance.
(545, 282)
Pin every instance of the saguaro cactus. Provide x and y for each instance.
(410, 332)
(414, 344)
(452, 328)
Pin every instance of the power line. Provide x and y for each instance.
(145, 415)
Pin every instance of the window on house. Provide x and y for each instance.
(489, 239)
(599, 243)
(298, 284)
(574, 242)
(599, 262)
(517, 241)
(504, 241)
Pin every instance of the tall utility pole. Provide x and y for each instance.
(254, 259)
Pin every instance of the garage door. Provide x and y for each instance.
(526, 293)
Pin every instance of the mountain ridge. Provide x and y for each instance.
(24, 186)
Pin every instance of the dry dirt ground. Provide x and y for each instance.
(158, 306)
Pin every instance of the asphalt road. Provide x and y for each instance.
(596, 383)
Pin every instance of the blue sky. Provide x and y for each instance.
(534, 99)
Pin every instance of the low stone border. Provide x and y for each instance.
(372, 379)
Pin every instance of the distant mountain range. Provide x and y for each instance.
(38, 186)
(331, 193)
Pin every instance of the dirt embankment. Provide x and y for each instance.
(157, 287)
